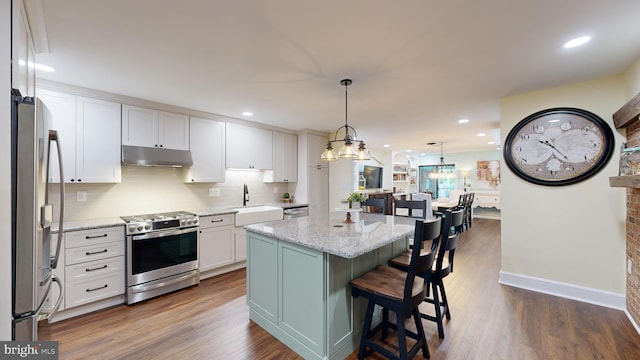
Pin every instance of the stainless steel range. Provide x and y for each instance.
(162, 254)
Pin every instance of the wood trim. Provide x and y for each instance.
(628, 113)
(629, 181)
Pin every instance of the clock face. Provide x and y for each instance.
(558, 146)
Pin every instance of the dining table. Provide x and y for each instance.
(443, 206)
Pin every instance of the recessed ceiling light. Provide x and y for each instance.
(423, 154)
(481, 134)
(463, 121)
(386, 145)
(247, 113)
(408, 150)
(491, 143)
(576, 42)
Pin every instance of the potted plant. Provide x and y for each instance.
(286, 197)
(355, 198)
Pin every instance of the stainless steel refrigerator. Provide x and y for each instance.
(32, 216)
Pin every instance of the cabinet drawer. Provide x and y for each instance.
(94, 236)
(487, 199)
(216, 220)
(93, 289)
(95, 252)
(94, 269)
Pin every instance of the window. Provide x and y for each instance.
(439, 187)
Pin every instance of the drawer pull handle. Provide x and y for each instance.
(94, 269)
(96, 252)
(219, 220)
(95, 236)
(98, 288)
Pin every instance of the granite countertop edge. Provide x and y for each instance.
(87, 224)
(231, 210)
(329, 250)
(340, 246)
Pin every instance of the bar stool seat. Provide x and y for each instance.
(443, 266)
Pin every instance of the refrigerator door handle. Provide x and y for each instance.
(54, 310)
(53, 136)
(56, 306)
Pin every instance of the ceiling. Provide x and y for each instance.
(417, 66)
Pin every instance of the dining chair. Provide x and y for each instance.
(400, 292)
(374, 205)
(452, 224)
(468, 204)
(414, 208)
(428, 213)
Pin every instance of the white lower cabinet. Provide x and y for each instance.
(241, 244)
(95, 287)
(216, 243)
(92, 267)
(223, 246)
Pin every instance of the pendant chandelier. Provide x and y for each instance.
(348, 149)
(442, 170)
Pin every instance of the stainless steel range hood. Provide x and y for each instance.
(138, 155)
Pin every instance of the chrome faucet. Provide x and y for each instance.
(245, 197)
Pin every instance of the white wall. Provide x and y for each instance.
(633, 80)
(5, 176)
(570, 234)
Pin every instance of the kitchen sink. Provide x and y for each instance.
(257, 214)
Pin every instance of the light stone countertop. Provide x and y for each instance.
(213, 211)
(116, 221)
(331, 235)
(87, 224)
(230, 209)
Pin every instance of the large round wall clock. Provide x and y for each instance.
(558, 146)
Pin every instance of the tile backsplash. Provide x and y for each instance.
(158, 189)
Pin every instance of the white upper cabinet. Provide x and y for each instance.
(151, 128)
(23, 52)
(98, 140)
(249, 148)
(139, 126)
(62, 109)
(315, 147)
(285, 159)
(89, 134)
(207, 151)
(173, 130)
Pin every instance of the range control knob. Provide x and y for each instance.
(195, 221)
(139, 228)
(183, 222)
(132, 228)
(147, 226)
(189, 222)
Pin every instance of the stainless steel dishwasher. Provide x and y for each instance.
(296, 211)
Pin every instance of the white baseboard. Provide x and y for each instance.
(635, 324)
(569, 291)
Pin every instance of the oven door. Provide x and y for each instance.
(159, 254)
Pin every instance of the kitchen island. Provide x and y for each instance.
(298, 274)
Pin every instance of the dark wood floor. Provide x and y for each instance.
(489, 321)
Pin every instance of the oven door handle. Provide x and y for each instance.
(157, 234)
(139, 289)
